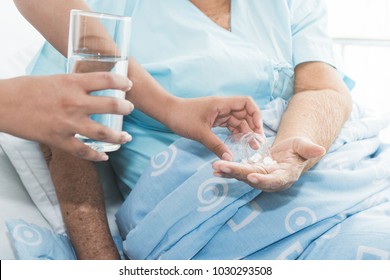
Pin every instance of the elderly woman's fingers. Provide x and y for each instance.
(240, 171)
(291, 156)
(273, 182)
(269, 178)
(301, 146)
(307, 149)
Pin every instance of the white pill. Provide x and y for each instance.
(268, 161)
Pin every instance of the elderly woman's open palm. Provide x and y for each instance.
(291, 157)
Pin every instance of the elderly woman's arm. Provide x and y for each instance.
(315, 115)
(80, 195)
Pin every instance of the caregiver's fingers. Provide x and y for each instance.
(108, 105)
(102, 80)
(244, 107)
(215, 145)
(251, 116)
(254, 118)
(74, 147)
(78, 149)
(243, 127)
(96, 131)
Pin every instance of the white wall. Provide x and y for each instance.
(368, 65)
(19, 41)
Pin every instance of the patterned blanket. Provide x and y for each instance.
(179, 210)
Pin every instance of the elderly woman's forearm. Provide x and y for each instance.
(81, 199)
(316, 114)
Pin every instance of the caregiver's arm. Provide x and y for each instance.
(52, 109)
(314, 117)
(240, 114)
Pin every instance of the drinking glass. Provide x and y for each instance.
(99, 42)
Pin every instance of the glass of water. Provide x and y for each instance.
(98, 43)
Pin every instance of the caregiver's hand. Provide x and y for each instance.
(194, 118)
(52, 109)
(291, 155)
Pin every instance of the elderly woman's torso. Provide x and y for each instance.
(208, 48)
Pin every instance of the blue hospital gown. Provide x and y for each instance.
(191, 56)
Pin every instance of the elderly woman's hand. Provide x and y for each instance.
(291, 155)
(194, 119)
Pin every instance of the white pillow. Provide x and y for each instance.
(31, 167)
(29, 162)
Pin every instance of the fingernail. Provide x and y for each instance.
(253, 180)
(104, 157)
(217, 174)
(226, 156)
(129, 86)
(225, 169)
(131, 106)
(126, 137)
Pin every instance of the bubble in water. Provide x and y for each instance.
(249, 148)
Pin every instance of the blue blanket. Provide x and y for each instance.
(340, 209)
(179, 210)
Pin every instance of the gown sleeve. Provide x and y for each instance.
(310, 39)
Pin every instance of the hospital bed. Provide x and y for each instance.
(29, 207)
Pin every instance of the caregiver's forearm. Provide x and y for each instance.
(315, 114)
(51, 18)
(147, 94)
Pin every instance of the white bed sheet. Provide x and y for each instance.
(15, 202)
(20, 41)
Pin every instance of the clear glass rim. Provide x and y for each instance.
(99, 15)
